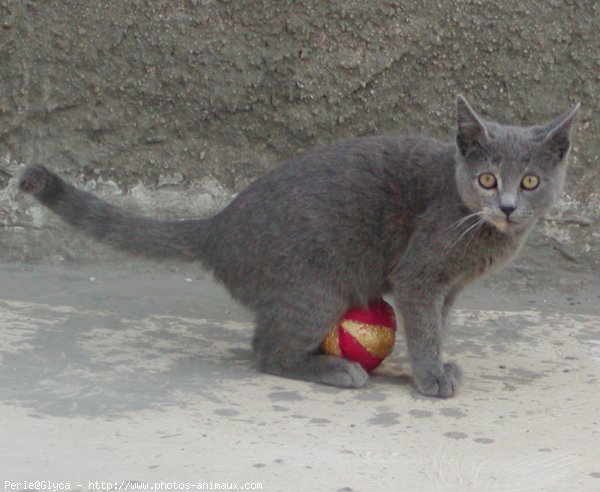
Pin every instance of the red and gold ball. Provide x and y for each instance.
(366, 336)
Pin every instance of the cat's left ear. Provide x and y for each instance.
(556, 135)
(471, 132)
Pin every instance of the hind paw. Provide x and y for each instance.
(324, 369)
(345, 375)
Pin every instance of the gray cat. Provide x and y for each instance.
(341, 226)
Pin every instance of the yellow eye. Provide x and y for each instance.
(488, 181)
(530, 182)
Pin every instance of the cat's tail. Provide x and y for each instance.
(112, 225)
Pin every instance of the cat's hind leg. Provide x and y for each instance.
(287, 343)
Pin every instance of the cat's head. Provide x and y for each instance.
(510, 175)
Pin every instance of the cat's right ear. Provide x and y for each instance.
(471, 131)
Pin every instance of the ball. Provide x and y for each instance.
(366, 336)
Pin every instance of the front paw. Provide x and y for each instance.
(442, 384)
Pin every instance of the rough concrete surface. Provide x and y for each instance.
(133, 374)
(184, 98)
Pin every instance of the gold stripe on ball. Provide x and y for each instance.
(378, 340)
(331, 344)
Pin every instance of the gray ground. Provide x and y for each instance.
(142, 372)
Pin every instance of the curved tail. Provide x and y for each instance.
(112, 225)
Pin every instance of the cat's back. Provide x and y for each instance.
(367, 167)
(349, 188)
(352, 184)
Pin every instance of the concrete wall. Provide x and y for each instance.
(178, 104)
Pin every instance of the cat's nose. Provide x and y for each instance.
(507, 209)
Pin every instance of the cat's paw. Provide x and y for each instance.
(443, 385)
(34, 179)
(316, 368)
(345, 374)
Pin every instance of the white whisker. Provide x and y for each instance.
(464, 219)
(481, 219)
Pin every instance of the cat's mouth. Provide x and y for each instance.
(503, 223)
(500, 224)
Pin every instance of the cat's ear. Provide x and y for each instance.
(471, 131)
(556, 135)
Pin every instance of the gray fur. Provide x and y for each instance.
(343, 225)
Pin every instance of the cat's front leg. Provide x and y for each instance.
(448, 303)
(423, 309)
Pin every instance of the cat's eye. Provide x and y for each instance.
(488, 181)
(530, 182)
